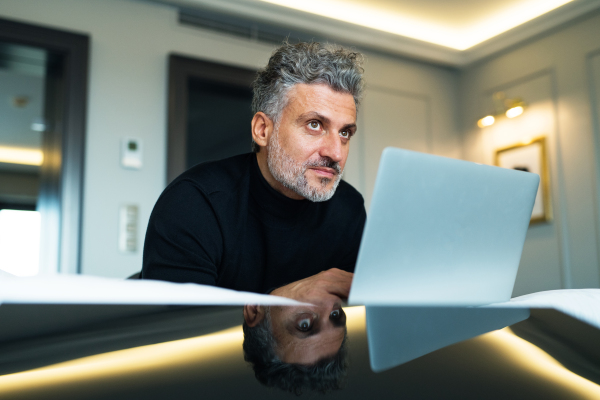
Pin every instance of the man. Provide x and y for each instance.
(278, 220)
(259, 221)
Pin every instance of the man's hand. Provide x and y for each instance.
(325, 287)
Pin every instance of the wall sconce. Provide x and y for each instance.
(510, 108)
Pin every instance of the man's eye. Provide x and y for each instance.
(304, 325)
(345, 134)
(335, 314)
(314, 125)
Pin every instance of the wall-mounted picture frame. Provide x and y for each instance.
(530, 157)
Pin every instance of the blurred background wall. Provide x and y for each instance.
(411, 102)
(559, 75)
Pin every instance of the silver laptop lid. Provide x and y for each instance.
(442, 231)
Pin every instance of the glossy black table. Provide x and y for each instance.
(173, 352)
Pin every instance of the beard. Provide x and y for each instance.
(292, 174)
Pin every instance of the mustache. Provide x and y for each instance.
(325, 162)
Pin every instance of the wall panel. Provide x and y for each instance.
(543, 248)
(392, 119)
(594, 87)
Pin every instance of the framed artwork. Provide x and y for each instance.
(530, 157)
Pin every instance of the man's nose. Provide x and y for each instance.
(332, 147)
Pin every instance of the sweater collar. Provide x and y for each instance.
(270, 200)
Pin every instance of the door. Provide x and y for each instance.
(43, 75)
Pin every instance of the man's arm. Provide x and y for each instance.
(183, 241)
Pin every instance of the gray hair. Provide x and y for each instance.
(339, 68)
(324, 376)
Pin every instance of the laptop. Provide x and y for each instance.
(442, 232)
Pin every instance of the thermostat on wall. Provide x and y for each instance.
(131, 153)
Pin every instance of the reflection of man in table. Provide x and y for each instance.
(301, 347)
(262, 220)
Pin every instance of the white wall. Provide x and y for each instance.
(130, 42)
(555, 75)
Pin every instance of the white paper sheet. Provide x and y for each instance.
(582, 304)
(80, 289)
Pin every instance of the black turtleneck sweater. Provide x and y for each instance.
(221, 223)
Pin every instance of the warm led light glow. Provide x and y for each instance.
(403, 25)
(514, 112)
(16, 155)
(20, 242)
(116, 364)
(486, 121)
(355, 319)
(529, 358)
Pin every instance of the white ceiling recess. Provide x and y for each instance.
(448, 32)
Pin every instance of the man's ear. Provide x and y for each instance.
(262, 128)
(253, 315)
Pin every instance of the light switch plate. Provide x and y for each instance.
(128, 227)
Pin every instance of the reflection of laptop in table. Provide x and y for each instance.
(442, 232)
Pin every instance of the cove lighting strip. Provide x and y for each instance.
(404, 25)
(16, 155)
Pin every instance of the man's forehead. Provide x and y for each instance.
(320, 100)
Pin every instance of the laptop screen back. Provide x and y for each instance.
(442, 231)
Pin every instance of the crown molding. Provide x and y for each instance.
(367, 38)
(542, 24)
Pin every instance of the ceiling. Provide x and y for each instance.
(449, 32)
(448, 13)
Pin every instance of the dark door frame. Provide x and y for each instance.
(64, 140)
(181, 69)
